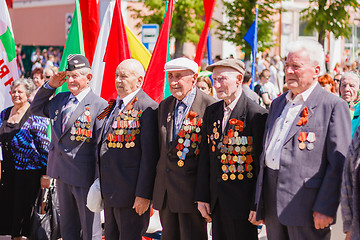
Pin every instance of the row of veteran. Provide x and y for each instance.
(23, 158)
(72, 151)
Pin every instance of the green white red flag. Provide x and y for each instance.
(8, 65)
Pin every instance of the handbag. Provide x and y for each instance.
(46, 226)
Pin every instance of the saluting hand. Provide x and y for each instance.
(204, 209)
(321, 221)
(141, 205)
(57, 80)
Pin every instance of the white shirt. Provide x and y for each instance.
(228, 110)
(126, 99)
(283, 125)
(81, 95)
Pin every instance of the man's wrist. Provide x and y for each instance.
(47, 86)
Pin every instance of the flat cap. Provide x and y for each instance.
(182, 63)
(236, 64)
(77, 61)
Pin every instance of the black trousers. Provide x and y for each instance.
(274, 229)
(182, 226)
(125, 223)
(224, 227)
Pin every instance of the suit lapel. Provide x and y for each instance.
(311, 103)
(273, 117)
(58, 123)
(80, 109)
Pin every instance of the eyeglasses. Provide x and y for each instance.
(48, 76)
(337, 80)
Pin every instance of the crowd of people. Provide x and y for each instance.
(214, 151)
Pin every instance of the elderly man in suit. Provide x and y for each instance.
(229, 155)
(72, 152)
(307, 135)
(128, 153)
(180, 120)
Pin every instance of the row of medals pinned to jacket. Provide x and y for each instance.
(189, 136)
(125, 128)
(236, 151)
(81, 130)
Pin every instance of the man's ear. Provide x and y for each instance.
(239, 78)
(89, 77)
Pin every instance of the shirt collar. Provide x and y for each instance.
(189, 98)
(128, 98)
(81, 95)
(232, 105)
(302, 96)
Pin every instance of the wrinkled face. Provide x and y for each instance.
(203, 87)
(349, 88)
(18, 95)
(126, 81)
(300, 74)
(38, 81)
(226, 82)
(181, 83)
(77, 82)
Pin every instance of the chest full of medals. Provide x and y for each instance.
(189, 137)
(125, 129)
(81, 130)
(234, 151)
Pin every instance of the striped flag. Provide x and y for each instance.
(137, 51)
(8, 65)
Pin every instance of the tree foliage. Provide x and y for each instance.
(187, 21)
(332, 16)
(240, 16)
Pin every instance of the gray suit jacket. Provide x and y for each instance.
(74, 162)
(309, 181)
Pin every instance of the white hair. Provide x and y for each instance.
(27, 83)
(352, 75)
(134, 66)
(84, 71)
(313, 49)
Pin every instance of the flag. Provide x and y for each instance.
(8, 65)
(91, 26)
(74, 43)
(251, 38)
(209, 6)
(137, 50)
(117, 50)
(9, 3)
(155, 75)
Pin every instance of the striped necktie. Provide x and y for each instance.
(67, 111)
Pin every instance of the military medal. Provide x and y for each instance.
(225, 177)
(311, 138)
(249, 175)
(302, 138)
(180, 163)
(240, 176)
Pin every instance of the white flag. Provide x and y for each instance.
(8, 65)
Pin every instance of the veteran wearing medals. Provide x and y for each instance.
(307, 136)
(72, 151)
(180, 121)
(230, 149)
(128, 152)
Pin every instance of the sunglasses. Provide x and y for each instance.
(48, 76)
(337, 80)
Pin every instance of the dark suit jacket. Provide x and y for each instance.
(235, 197)
(177, 182)
(126, 173)
(309, 180)
(74, 162)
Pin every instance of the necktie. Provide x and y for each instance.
(179, 117)
(67, 111)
